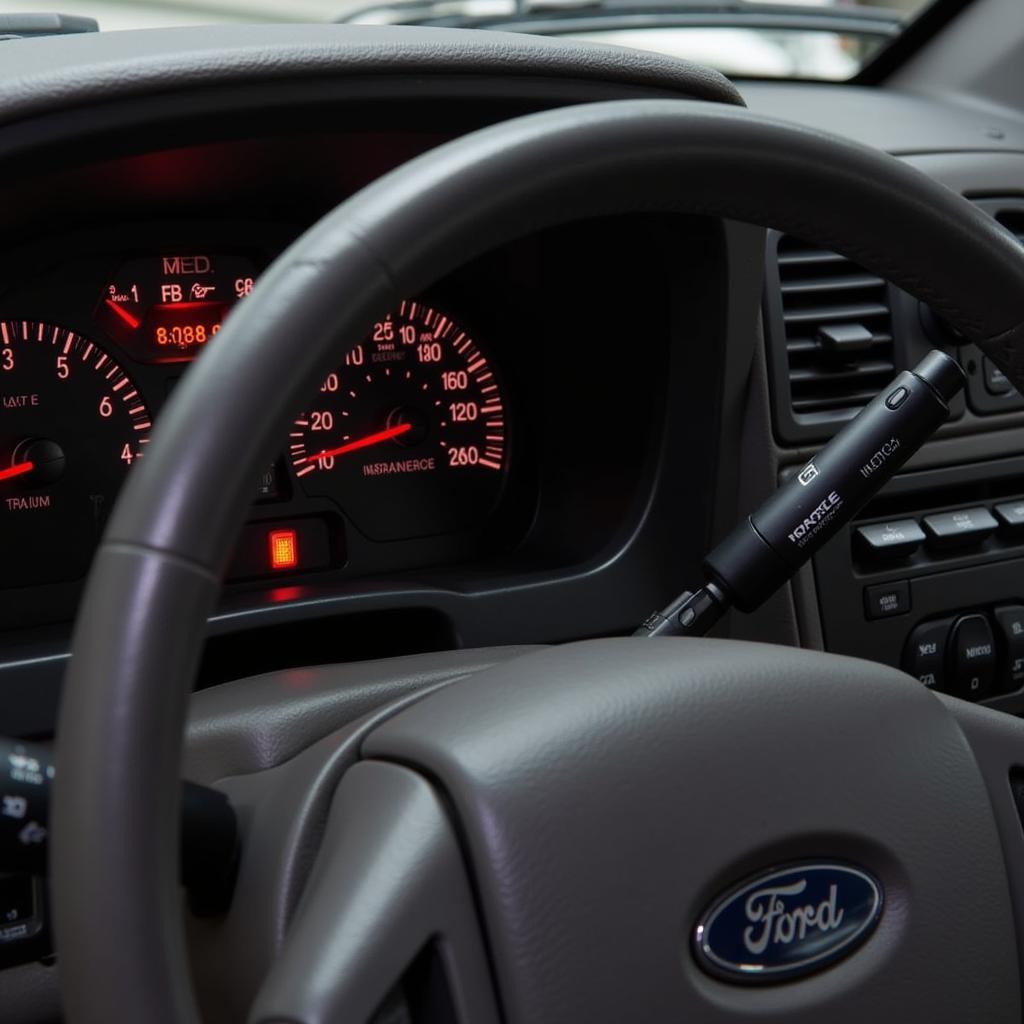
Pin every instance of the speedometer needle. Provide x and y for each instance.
(18, 469)
(366, 442)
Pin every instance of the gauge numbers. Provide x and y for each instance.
(73, 422)
(409, 433)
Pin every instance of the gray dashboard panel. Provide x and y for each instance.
(896, 121)
(42, 75)
(254, 724)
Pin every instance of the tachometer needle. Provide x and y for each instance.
(18, 469)
(131, 321)
(365, 442)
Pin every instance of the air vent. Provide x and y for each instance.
(836, 324)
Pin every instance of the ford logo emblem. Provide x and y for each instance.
(787, 923)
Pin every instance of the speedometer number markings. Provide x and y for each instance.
(408, 433)
(72, 424)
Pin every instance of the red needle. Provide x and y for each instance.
(365, 442)
(18, 469)
(123, 313)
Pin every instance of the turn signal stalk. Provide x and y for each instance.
(766, 549)
(209, 827)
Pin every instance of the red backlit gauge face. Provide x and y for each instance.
(165, 309)
(72, 422)
(409, 434)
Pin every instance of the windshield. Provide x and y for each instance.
(815, 39)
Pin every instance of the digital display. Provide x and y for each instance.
(165, 309)
(185, 327)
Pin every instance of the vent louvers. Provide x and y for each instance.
(838, 332)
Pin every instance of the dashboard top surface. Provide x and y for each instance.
(39, 75)
(897, 121)
(53, 74)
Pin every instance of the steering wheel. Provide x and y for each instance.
(553, 827)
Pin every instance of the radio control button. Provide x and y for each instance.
(890, 540)
(1011, 515)
(925, 654)
(1010, 620)
(960, 528)
(887, 599)
(972, 657)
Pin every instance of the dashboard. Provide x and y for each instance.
(541, 446)
(493, 442)
(78, 419)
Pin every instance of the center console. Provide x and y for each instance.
(930, 578)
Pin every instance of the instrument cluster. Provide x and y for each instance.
(502, 421)
(408, 436)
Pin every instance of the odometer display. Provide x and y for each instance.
(72, 424)
(409, 434)
(184, 329)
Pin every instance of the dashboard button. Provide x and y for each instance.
(890, 540)
(1010, 620)
(961, 528)
(925, 653)
(972, 657)
(1011, 515)
(996, 382)
(887, 599)
(268, 486)
(896, 398)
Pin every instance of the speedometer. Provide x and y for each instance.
(71, 424)
(409, 434)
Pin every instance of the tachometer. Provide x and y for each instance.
(409, 434)
(71, 424)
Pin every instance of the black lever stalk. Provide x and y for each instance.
(209, 827)
(766, 549)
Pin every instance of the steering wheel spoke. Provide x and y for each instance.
(389, 881)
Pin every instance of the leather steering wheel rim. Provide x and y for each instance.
(156, 575)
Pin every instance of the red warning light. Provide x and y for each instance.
(284, 549)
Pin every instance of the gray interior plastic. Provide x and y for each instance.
(40, 76)
(607, 791)
(389, 827)
(633, 710)
(281, 778)
(896, 120)
(254, 724)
